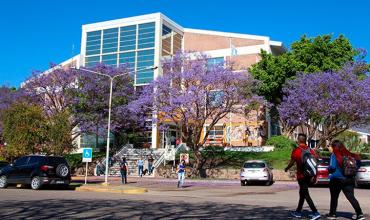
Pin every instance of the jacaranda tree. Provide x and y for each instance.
(52, 89)
(91, 95)
(191, 94)
(334, 100)
(53, 92)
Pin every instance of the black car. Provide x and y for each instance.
(36, 171)
(3, 164)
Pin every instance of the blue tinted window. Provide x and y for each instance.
(92, 59)
(215, 61)
(165, 30)
(128, 38)
(146, 35)
(91, 64)
(145, 58)
(110, 40)
(110, 59)
(144, 80)
(147, 25)
(93, 42)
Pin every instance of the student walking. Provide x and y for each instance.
(123, 169)
(140, 166)
(342, 172)
(181, 174)
(150, 164)
(302, 156)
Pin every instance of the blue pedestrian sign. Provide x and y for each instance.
(86, 154)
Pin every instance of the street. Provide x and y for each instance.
(200, 199)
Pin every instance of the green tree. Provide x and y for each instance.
(308, 55)
(59, 136)
(24, 129)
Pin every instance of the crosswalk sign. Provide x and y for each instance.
(86, 154)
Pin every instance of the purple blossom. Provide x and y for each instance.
(336, 100)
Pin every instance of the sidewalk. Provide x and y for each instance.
(122, 189)
(151, 184)
(96, 184)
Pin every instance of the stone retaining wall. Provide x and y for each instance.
(222, 173)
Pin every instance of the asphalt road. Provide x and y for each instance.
(198, 200)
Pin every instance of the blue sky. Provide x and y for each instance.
(35, 33)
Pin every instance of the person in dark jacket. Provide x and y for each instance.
(340, 183)
(123, 169)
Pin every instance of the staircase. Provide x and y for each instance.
(132, 155)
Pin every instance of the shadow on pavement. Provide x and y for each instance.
(125, 209)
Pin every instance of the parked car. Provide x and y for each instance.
(36, 171)
(363, 173)
(256, 171)
(3, 164)
(322, 171)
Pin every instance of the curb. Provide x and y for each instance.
(112, 190)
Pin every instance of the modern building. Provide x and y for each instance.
(143, 41)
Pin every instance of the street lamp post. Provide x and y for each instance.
(111, 78)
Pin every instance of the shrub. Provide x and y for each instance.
(281, 142)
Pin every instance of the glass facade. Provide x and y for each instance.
(127, 45)
(215, 61)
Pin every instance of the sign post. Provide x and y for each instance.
(86, 157)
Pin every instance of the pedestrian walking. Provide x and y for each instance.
(123, 170)
(99, 170)
(150, 164)
(181, 174)
(140, 166)
(303, 157)
(342, 172)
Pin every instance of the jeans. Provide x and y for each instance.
(347, 186)
(181, 178)
(150, 168)
(140, 167)
(124, 176)
(305, 195)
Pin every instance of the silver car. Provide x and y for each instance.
(363, 173)
(256, 171)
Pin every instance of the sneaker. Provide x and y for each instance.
(359, 217)
(315, 216)
(331, 217)
(296, 214)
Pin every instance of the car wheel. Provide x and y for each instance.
(62, 170)
(271, 182)
(3, 181)
(36, 183)
(243, 182)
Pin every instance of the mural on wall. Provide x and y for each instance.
(237, 132)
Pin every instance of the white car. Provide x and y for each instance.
(256, 171)
(363, 173)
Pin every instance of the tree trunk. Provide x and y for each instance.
(198, 165)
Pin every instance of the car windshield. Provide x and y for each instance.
(254, 165)
(365, 163)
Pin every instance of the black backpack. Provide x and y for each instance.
(349, 167)
(309, 164)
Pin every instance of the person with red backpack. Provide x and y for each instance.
(342, 172)
(305, 159)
